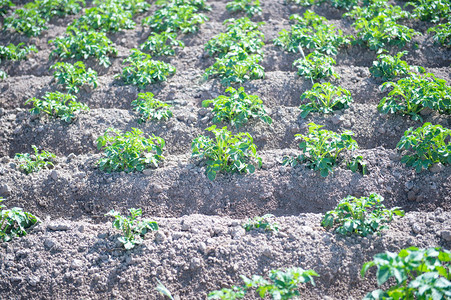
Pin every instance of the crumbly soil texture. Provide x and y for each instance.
(201, 246)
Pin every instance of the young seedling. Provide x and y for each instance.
(82, 44)
(236, 67)
(442, 34)
(321, 148)
(325, 98)
(412, 273)
(73, 76)
(411, 95)
(261, 223)
(425, 146)
(3, 75)
(133, 227)
(29, 163)
(163, 291)
(14, 222)
(282, 285)
(242, 34)
(142, 70)
(316, 66)
(382, 31)
(363, 216)
(162, 44)
(130, 151)
(150, 108)
(58, 105)
(250, 7)
(237, 108)
(226, 152)
(390, 67)
(357, 164)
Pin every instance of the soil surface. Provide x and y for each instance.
(201, 246)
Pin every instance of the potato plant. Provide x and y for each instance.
(363, 216)
(16, 52)
(130, 151)
(150, 108)
(250, 7)
(430, 10)
(312, 32)
(442, 34)
(390, 67)
(178, 16)
(73, 76)
(325, 98)
(411, 95)
(83, 44)
(411, 273)
(58, 105)
(281, 285)
(358, 164)
(344, 4)
(425, 146)
(381, 32)
(261, 223)
(162, 44)
(376, 8)
(236, 67)
(33, 17)
(321, 148)
(14, 222)
(226, 152)
(5, 5)
(29, 163)
(237, 108)
(133, 227)
(241, 34)
(106, 18)
(316, 66)
(142, 70)
(304, 3)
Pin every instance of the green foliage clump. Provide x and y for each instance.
(178, 15)
(82, 44)
(376, 8)
(150, 108)
(357, 164)
(425, 146)
(304, 2)
(412, 273)
(59, 105)
(363, 216)
(133, 227)
(430, 10)
(241, 34)
(14, 222)
(316, 66)
(261, 223)
(282, 285)
(312, 32)
(382, 31)
(159, 44)
(390, 67)
(130, 151)
(143, 70)
(73, 76)
(442, 34)
(237, 108)
(226, 152)
(413, 94)
(321, 148)
(325, 98)
(345, 4)
(32, 18)
(250, 7)
(16, 52)
(236, 67)
(29, 163)
(107, 18)
(5, 5)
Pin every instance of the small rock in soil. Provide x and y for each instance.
(58, 227)
(446, 235)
